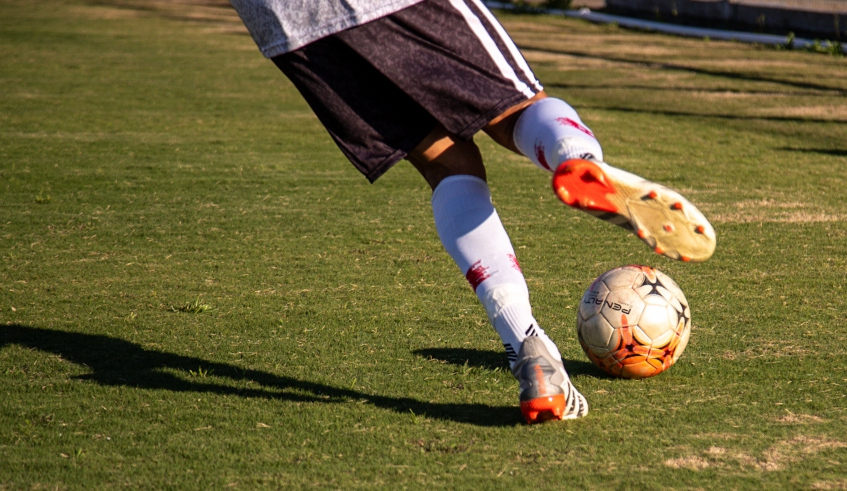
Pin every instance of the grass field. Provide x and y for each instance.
(199, 292)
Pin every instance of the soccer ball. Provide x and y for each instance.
(633, 322)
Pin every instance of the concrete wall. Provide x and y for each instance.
(767, 16)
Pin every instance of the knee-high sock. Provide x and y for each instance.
(473, 235)
(550, 132)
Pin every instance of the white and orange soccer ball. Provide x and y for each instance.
(633, 322)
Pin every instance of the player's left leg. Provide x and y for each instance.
(473, 235)
(551, 134)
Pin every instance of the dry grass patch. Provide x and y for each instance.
(792, 419)
(564, 61)
(717, 436)
(691, 463)
(725, 95)
(830, 485)
(773, 349)
(828, 112)
(772, 210)
(215, 12)
(775, 458)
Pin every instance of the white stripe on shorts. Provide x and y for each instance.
(510, 45)
(491, 47)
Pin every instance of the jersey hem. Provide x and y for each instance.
(354, 19)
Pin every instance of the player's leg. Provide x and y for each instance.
(473, 235)
(551, 134)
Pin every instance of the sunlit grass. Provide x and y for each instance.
(199, 291)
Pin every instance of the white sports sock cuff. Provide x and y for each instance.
(542, 127)
(502, 296)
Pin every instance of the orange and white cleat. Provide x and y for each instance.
(668, 223)
(546, 390)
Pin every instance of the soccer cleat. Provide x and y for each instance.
(546, 390)
(659, 216)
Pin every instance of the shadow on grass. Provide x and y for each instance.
(824, 151)
(475, 358)
(490, 360)
(116, 362)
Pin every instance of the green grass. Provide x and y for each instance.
(199, 291)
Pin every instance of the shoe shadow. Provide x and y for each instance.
(490, 360)
(116, 362)
(475, 358)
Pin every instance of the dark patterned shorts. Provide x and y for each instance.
(381, 87)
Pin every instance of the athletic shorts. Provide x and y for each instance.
(381, 87)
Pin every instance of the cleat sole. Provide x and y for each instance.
(659, 216)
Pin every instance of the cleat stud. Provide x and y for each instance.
(659, 250)
(653, 195)
(668, 227)
(700, 229)
(677, 206)
(684, 258)
(641, 233)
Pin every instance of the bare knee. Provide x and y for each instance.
(501, 128)
(442, 154)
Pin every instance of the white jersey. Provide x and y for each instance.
(280, 26)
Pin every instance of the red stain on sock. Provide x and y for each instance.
(514, 260)
(574, 124)
(539, 154)
(477, 274)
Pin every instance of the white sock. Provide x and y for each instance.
(473, 235)
(550, 132)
